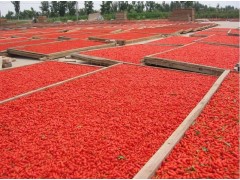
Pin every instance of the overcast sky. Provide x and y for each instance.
(6, 6)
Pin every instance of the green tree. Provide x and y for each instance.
(159, 7)
(131, 7)
(71, 7)
(140, 6)
(175, 5)
(9, 15)
(103, 7)
(150, 6)
(33, 12)
(16, 7)
(114, 6)
(45, 8)
(106, 7)
(167, 7)
(88, 6)
(54, 7)
(197, 6)
(186, 4)
(134, 5)
(62, 8)
(26, 14)
(122, 5)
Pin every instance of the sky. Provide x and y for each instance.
(6, 6)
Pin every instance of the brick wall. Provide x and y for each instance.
(121, 16)
(183, 15)
(42, 19)
(3, 21)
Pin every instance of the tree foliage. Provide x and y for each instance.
(106, 7)
(16, 7)
(62, 8)
(45, 8)
(71, 7)
(136, 9)
(54, 7)
(88, 7)
(9, 15)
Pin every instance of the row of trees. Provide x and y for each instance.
(69, 8)
(141, 6)
(51, 9)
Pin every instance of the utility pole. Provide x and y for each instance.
(77, 10)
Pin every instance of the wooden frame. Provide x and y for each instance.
(149, 169)
(154, 61)
(54, 55)
(231, 34)
(187, 31)
(95, 60)
(124, 42)
(199, 35)
(54, 84)
(219, 44)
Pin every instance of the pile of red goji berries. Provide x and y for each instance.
(235, 31)
(210, 148)
(51, 35)
(125, 36)
(232, 40)
(19, 80)
(60, 46)
(175, 40)
(106, 125)
(218, 30)
(11, 40)
(205, 54)
(30, 43)
(211, 32)
(157, 30)
(131, 54)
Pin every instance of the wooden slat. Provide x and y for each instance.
(182, 65)
(220, 44)
(177, 47)
(25, 53)
(187, 31)
(124, 42)
(95, 60)
(149, 169)
(143, 39)
(93, 38)
(199, 35)
(65, 53)
(232, 34)
(55, 55)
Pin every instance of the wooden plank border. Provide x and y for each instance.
(219, 44)
(106, 62)
(229, 33)
(94, 60)
(64, 53)
(153, 61)
(54, 84)
(55, 55)
(126, 42)
(199, 35)
(144, 39)
(187, 31)
(233, 34)
(149, 169)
